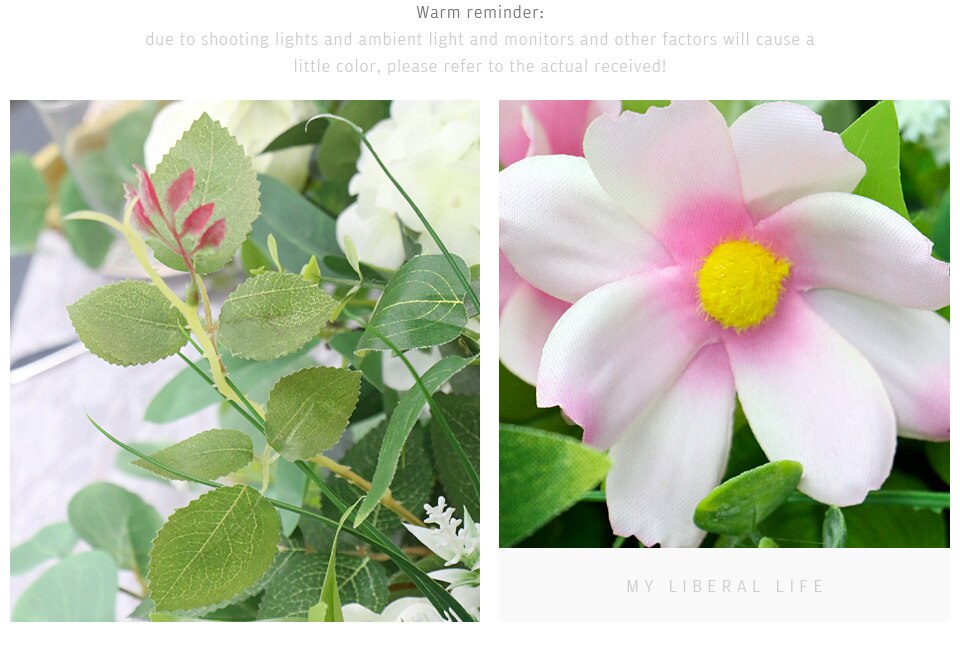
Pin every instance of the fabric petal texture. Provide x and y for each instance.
(674, 455)
(525, 323)
(617, 349)
(784, 153)
(376, 235)
(562, 233)
(811, 397)
(909, 349)
(842, 241)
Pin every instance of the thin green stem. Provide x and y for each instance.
(618, 542)
(594, 497)
(253, 420)
(396, 184)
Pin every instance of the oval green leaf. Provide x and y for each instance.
(834, 528)
(308, 411)
(28, 203)
(273, 314)
(213, 550)
(55, 540)
(875, 139)
(738, 505)
(82, 588)
(421, 306)
(208, 455)
(128, 323)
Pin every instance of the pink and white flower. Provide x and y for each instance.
(705, 263)
(531, 128)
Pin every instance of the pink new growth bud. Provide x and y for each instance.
(147, 193)
(198, 219)
(140, 217)
(213, 236)
(180, 190)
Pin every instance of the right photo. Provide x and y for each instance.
(724, 324)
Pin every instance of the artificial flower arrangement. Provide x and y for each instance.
(387, 525)
(724, 321)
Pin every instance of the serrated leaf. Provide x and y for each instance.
(421, 306)
(308, 411)
(51, 541)
(128, 323)
(224, 177)
(89, 240)
(114, 520)
(542, 474)
(834, 528)
(28, 203)
(402, 420)
(82, 588)
(213, 549)
(298, 585)
(463, 415)
(738, 505)
(874, 138)
(273, 314)
(208, 455)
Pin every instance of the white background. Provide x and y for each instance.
(866, 50)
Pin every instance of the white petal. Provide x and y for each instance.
(657, 164)
(526, 321)
(617, 349)
(909, 349)
(563, 234)
(811, 397)
(784, 154)
(674, 455)
(843, 241)
(376, 234)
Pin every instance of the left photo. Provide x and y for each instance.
(245, 360)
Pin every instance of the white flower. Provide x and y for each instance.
(433, 150)
(926, 122)
(451, 544)
(397, 376)
(408, 610)
(254, 123)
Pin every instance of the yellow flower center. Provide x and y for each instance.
(740, 283)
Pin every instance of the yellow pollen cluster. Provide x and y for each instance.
(740, 283)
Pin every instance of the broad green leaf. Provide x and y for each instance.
(188, 393)
(214, 549)
(28, 203)
(273, 314)
(542, 474)
(875, 139)
(340, 148)
(421, 306)
(114, 520)
(51, 541)
(89, 240)
(738, 505)
(82, 588)
(302, 230)
(412, 484)
(938, 453)
(299, 584)
(224, 176)
(463, 415)
(767, 542)
(401, 423)
(128, 323)
(208, 455)
(308, 411)
(834, 528)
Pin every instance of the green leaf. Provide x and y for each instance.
(340, 148)
(82, 588)
(128, 323)
(402, 420)
(208, 455)
(463, 416)
(938, 454)
(28, 203)
(302, 230)
(875, 139)
(738, 505)
(287, 484)
(834, 528)
(302, 133)
(330, 596)
(114, 520)
(299, 584)
(767, 542)
(542, 474)
(308, 411)
(51, 541)
(89, 240)
(214, 549)
(421, 306)
(188, 393)
(412, 484)
(273, 314)
(224, 176)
